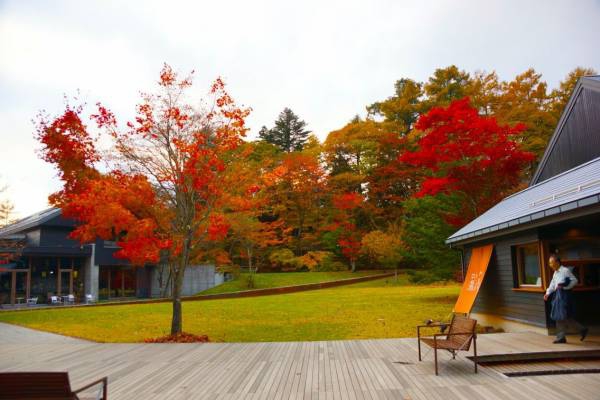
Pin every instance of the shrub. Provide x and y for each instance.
(383, 247)
(329, 264)
(312, 260)
(283, 259)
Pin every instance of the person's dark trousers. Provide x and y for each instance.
(562, 327)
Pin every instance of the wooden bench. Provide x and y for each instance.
(44, 386)
(461, 332)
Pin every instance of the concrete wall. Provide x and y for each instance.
(196, 279)
(91, 271)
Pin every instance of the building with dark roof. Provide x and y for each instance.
(38, 260)
(559, 213)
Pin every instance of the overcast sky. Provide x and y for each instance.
(325, 59)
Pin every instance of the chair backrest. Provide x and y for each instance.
(35, 385)
(465, 327)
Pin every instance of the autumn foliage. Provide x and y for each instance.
(463, 152)
(179, 185)
(162, 196)
(344, 221)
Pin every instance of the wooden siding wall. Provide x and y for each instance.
(496, 295)
(579, 139)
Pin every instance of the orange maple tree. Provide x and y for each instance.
(161, 196)
(251, 228)
(298, 188)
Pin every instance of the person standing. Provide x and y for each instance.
(563, 280)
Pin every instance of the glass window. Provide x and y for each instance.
(44, 277)
(528, 265)
(577, 249)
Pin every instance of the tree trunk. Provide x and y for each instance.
(353, 264)
(177, 319)
(249, 252)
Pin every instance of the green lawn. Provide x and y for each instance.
(279, 279)
(376, 309)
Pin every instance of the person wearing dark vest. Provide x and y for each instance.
(562, 312)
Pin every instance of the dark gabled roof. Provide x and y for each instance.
(573, 189)
(576, 138)
(30, 221)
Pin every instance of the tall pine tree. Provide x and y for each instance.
(289, 133)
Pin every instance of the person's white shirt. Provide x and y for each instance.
(559, 277)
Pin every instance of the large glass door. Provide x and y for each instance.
(65, 284)
(14, 286)
(123, 282)
(5, 286)
(117, 281)
(20, 286)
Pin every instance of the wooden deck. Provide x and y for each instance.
(357, 369)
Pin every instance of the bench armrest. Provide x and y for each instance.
(103, 381)
(435, 324)
(454, 334)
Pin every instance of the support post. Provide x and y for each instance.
(13, 287)
(58, 278)
(435, 353)
(91, 273)
(475, 351)
(28, 285)
(419, 341)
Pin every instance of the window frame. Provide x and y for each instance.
(518, 266)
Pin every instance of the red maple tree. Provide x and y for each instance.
(464, 153)
(344, 221)
(161, 195)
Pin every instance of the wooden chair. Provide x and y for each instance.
(44, 386)
(461, 332)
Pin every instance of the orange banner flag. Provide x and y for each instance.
(480, 259)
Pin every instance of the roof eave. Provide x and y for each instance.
(586, 206)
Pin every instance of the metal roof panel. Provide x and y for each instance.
(572, 189)
(30, 221)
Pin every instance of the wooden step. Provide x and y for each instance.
(538, 356)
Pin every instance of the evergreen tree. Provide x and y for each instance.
(289, 133)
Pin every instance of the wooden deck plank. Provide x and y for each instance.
(364, 369)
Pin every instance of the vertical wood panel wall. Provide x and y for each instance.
(496, 295)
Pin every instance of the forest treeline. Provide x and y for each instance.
(387, 190)
(180, 185)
